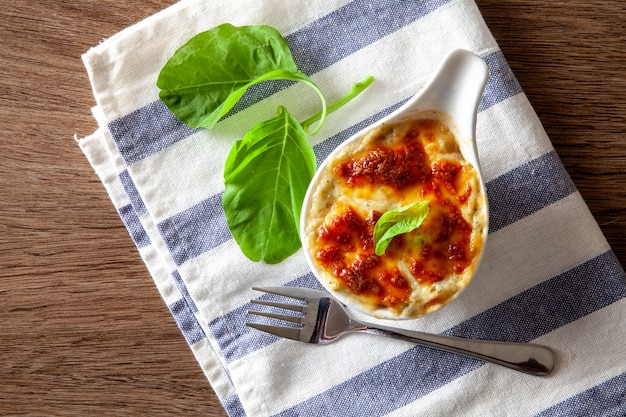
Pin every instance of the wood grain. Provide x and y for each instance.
(84, 330)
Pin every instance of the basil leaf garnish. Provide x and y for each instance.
(396, 222)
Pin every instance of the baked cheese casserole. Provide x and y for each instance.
(391, 167)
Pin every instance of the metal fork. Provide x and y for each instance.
(324, 319)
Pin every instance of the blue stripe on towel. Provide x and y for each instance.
(351, 28)
(607, 399)
(180, 284)
(133, 225)
(132, 193)
(420, 370)
(527, 189)
(146, 131)
(551, 304)
(501, 83)
(186, 321)
(233, 406)
(195, 230)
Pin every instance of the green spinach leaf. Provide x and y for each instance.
(266, 176)
(398, 221)
(206, 76)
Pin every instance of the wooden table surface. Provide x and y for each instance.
(70, 342)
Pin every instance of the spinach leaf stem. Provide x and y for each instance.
(357, 89)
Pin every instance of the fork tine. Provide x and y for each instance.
(298, 293)
(280, 331)
(292, 319)
(292, 307)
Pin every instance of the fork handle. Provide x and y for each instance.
(525, 357)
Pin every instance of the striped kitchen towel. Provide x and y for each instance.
(548, 274)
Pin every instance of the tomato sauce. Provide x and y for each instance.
(398, 167)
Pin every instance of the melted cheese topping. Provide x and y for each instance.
(391, 167)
